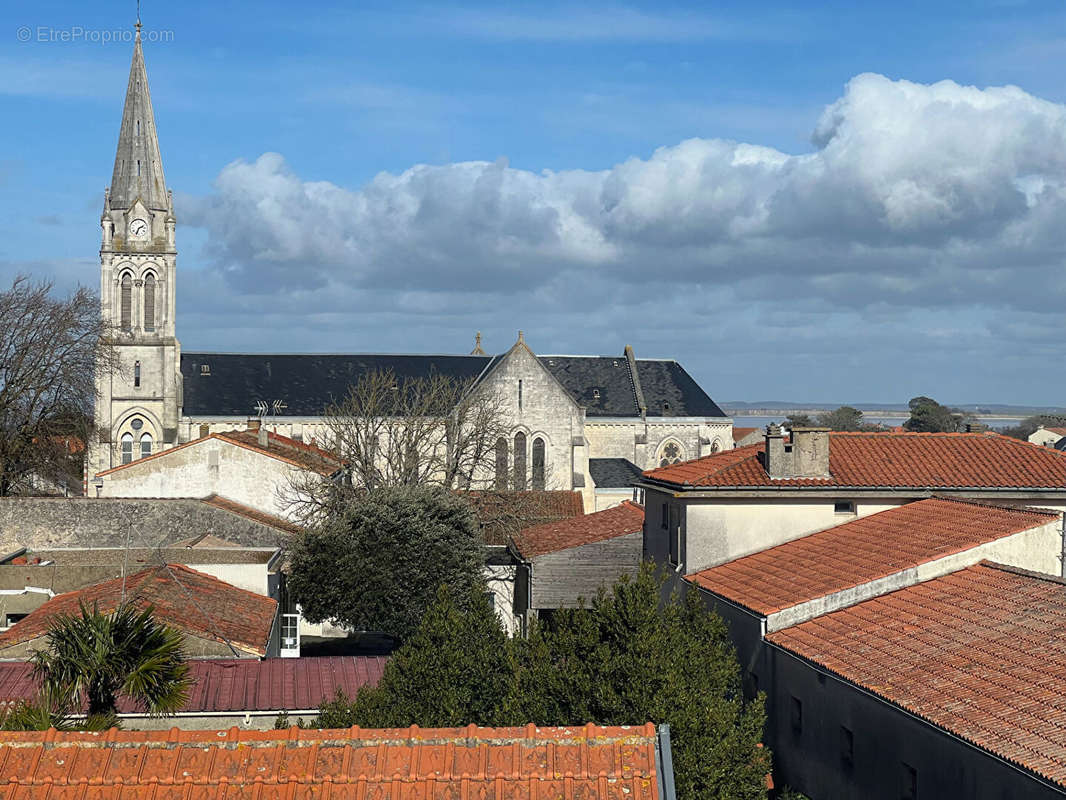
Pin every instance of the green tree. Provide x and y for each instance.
(1028, 426)
(799, 421)
(928, 416)
(845, 418)
(454, 670)
(102, 656)
(376, 563)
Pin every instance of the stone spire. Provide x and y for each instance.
(138, 165)
(477, 351)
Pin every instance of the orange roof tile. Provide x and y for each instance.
(183, 598)
(280, 447)
(863, 550)
(1059, 431)
(741, 433)
(253, 514)
(628, 517)
(980, 652)
(912, 460)
(589, 762)
(501, 514)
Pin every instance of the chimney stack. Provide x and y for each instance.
(804, 455)
(978, 427)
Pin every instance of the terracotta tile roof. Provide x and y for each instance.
(253, 514)
(742, 433)
(184, 598)
(245, 684)
(502, 514)
(980, 652)
(280, 447)
(1059, 431)
(628, 517)
(590, 762)
(863, 550)
(912, 460)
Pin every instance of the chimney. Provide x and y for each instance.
(254, 423)
(804, 455)
(263, 439)
(977, 427)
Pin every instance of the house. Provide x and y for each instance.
(951, 687)
(254, 468)
(612, 481)
(867, 557)
(715, 509)
(589, 762)
(742, 437)
(1047, 437)
(561, 563)
(226, 693)
(215, 618)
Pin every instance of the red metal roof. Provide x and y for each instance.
(863, 550)
(586, 763)
(628, 517)
(911, 460)
(239, 685)
(183, 598)
(980, 652)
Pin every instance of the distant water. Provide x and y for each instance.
(743, 421)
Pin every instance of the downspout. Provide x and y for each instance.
(1062, 554)
(664, 763)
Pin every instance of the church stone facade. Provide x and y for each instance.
(563, 410)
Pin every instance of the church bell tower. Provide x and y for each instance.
(138, 402)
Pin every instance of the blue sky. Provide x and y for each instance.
(831, 204)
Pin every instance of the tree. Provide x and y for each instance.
(799, 421)
(50, 350)
(436, 430)
(927, 415)
(1028, 426)
(456, 668)
(845, 418)
(102, 656)
(376, 563)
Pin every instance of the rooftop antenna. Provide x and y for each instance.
(138, 17)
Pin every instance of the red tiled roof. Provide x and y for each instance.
(741, 433)
(184, 598)
(912, 460)
(980, 652)
(863, 550)
(589, 762)
(501, 514)
(1059, 431)
(628, 517)
(280, 447)
(240, 684)
(253, 514)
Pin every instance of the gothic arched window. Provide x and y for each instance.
(146, 445)
(149, 302)
(126, 302)
(127, 448)
(501, 463)
(670, 453)
(520, 461)
(538, 464)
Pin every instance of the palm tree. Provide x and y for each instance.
(101, 656)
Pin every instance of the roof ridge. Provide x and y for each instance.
(1025, 573)
(1002, 506)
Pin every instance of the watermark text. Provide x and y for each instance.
(76, 34)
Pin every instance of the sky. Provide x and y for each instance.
(855, 202)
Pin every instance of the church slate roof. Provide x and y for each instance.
(308, 383)
(614, 473)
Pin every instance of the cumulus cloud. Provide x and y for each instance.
(915, 199)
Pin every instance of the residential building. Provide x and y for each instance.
(1047, 437)
(613, 480)
(226, 693)
(588, 762)
(742, 437)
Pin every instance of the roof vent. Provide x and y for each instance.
(596, 394)
(205, 369)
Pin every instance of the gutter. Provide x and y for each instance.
(664, 764)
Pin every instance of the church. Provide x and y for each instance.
(585, 421)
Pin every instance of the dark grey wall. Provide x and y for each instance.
(559, 580)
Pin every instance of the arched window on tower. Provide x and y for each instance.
(127, 448)
(538, 464)
(520, 461)
(126, 302)
(149, 302)
(146, 445)
(501, 464)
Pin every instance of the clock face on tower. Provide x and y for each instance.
(138, 228)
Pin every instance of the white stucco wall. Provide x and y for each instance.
(1044, 437)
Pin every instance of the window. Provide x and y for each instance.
(136, 373)
(138, 127)
(520, 461)
(127, 448)
(909, 782)
(126, 302)
(847, 747)
(675, 535)
(670, 453)
(205, 369)
(538, 465)
(665, 522)
(501, 464)
(146, 445)
(796, 716)
(844, 507)
(138, 168)
(520, 395)
(149, 302)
